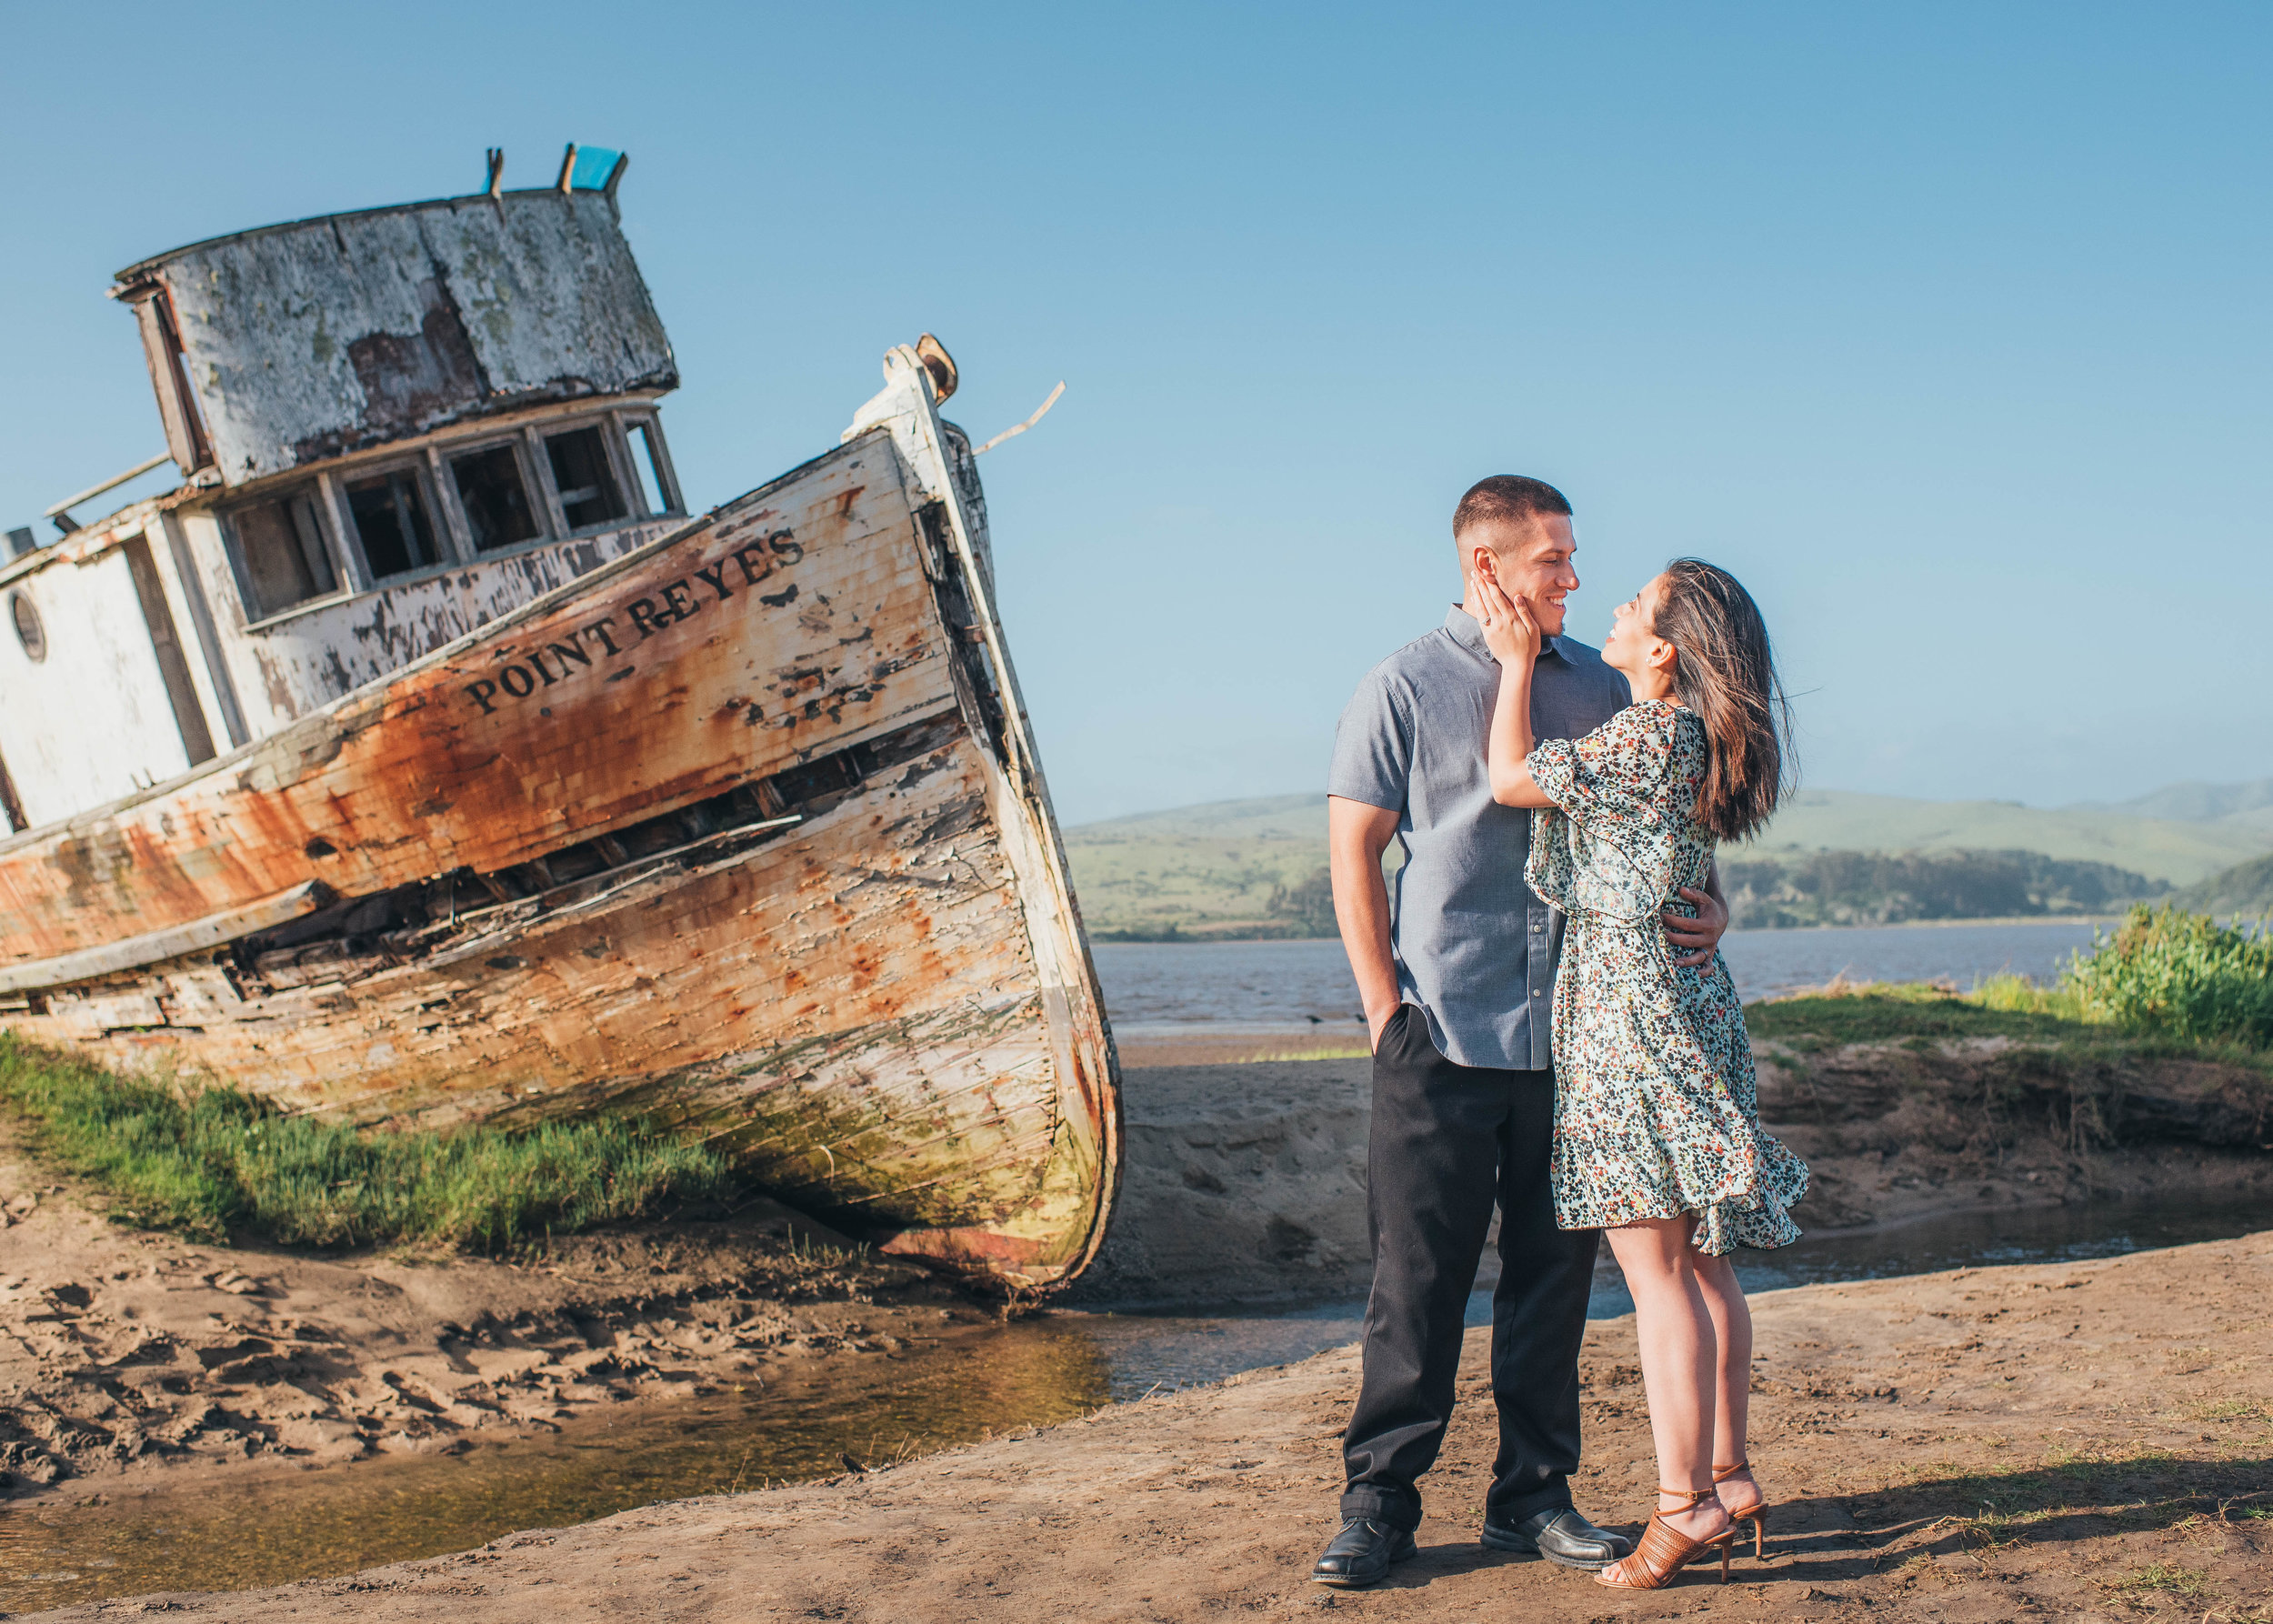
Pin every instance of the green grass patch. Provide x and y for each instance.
(1882, 1012)
(2163, 983)
(2166, 1579)
(208, 1162)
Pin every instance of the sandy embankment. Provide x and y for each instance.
(2087, 1441)
(1250, 1180)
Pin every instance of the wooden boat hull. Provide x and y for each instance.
(743, 832)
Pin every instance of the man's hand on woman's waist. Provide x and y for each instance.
(1696, 940)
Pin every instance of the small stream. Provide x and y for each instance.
(257, 1528)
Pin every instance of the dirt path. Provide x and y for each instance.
(2087, 1441)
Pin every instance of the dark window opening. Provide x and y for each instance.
(647, 465)
(496, 502)
(390, 517)
(586, 484)
(282, 550)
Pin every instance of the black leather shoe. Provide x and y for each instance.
(1360, 1555)
(1560, 1534)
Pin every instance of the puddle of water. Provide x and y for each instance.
(256, 1528)
(264, 1528)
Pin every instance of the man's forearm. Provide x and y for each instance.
(1361, 908)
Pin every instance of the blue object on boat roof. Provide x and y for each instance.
(594, 166)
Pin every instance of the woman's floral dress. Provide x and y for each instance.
(1656, 1108)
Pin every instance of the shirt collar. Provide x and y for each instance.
(1465, 631)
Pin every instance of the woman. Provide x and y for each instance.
(1657, 1138)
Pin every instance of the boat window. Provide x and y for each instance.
(28, 629)
(280, 551)
(495, 496)
(588, 493)
(648, 467)
(390, 514)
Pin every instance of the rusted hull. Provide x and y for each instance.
(742, 832)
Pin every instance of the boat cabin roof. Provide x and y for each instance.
(275, 349)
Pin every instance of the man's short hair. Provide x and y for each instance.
(1508, 497)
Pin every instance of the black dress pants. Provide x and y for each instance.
(1447, 1141)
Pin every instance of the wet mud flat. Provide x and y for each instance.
(128, 1358)
(2066, 1441)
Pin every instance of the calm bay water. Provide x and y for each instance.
(1163, 989)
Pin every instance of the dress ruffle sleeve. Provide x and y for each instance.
(1604, 846)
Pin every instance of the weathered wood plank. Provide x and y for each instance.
(135, 951)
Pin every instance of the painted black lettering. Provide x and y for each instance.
(538, 661)
(643, 615)
(598, 628)
(672, 594)
(573, 649)
(521, 690)
(714, 577)
(752, 573)
(481, 692)
(784, 547)
(775, 600)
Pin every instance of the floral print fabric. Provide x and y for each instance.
(1657, 1109)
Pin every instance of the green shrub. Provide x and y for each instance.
(2169, 971)
(206, 1162)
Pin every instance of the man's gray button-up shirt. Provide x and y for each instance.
(1475, 949)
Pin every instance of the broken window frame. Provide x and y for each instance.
(666, 476)
(344, 578)
(533, 490)
(440, 540)
(619, 458)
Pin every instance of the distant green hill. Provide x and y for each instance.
(2246, 889)
(2193, 802)
(1250, 866)
(1215, 869)
(2159, 848)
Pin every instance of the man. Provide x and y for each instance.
(1457, 982)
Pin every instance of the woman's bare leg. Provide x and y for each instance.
(1680, 1364)
(1732, 1330)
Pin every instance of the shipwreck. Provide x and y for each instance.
(420, 759)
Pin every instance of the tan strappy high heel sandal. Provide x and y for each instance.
(1662, 1553)
(1755, 1513)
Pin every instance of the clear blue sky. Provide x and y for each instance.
(1945, 327)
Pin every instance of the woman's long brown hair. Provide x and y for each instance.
(1726, 673)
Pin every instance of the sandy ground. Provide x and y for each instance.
(2087, 1441)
